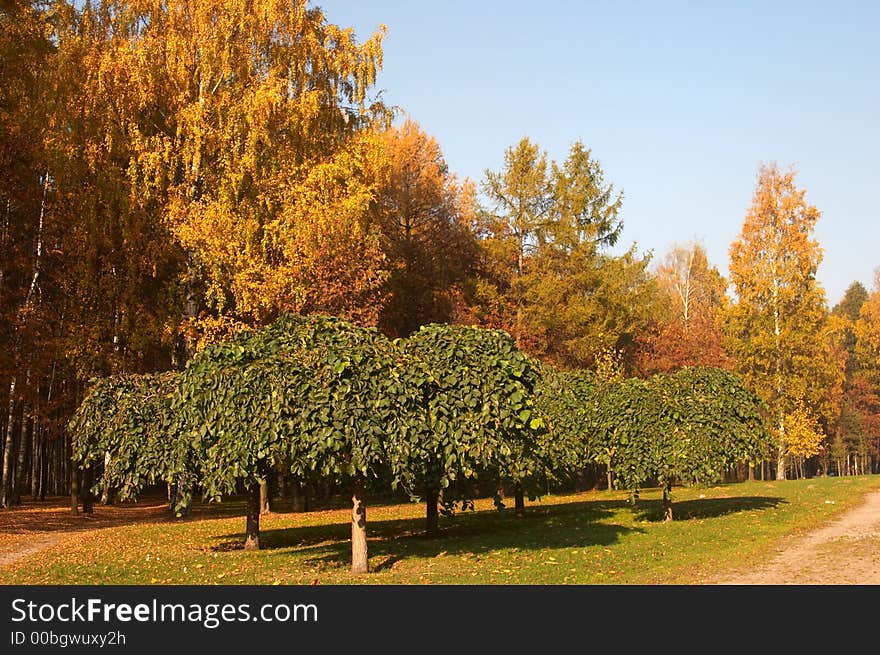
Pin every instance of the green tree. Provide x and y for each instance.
(716, 423)
(546, 276)
(568, 445)
(688, 427)
(851, 304)
(316, 392)
(475, 417)
(521, 211)
(128, 416)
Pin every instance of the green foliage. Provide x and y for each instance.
(316, 392)
(715, 419)
(475, 413)
(629, 417)
(129, 418)
(430, 414)
(689, 426)
(563, 398)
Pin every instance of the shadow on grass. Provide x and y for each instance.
(705, 508)
(554, 526)
(564, 525)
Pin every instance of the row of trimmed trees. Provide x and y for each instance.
(450, 405)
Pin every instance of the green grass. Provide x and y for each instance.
(585, 538)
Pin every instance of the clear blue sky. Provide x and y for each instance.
(679, 101)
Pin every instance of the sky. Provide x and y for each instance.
(680, 102)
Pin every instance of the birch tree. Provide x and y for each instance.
(775, 328)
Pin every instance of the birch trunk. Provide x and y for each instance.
(7, 448)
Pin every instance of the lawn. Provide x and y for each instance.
(585, 538)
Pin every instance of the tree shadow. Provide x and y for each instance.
(705, 508)
(561, 525)
(566, 525)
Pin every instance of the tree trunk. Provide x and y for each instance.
(666, 502)
(432, 524)
(36, 443)
(751, 472)
(308, 493)
(264, 496)
(519, 502)
(296, 496)
(7, 449)
(359, 562)
(18, 477)
(74, 489)
(252, 528)
(44, 467)
(88, 479)
(608, 474)
(105, 491)
(780, 464)
(281, 480)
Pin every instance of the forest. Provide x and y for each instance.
(177, 173)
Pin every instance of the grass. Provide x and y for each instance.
(583, 538)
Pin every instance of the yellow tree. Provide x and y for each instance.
(775, 330)
(250, 131)
(425, 215)
(863, 394)
(867, 332)
(803, 433)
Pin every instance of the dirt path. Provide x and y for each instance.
(846, 552)
(37, 525)
(33, 545)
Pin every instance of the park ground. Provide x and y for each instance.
(813, 531)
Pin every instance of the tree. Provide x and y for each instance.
(803, 433)
(851, 304)
(867, 333)
(582, 303)
(521, 198)
(475, 417)
(30, 228)
(130, 418)
(850, 436)
(689, 426)
(568, 445)
(316, 392)
(249, 135)
(425, 217)
(687, 327)
(863, 390)
(774, 329)
(714, 423)
(545, 276)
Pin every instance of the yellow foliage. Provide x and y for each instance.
(867, 330)
(778, 330)
(248, 129)
(609, 365)
(801, 433)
